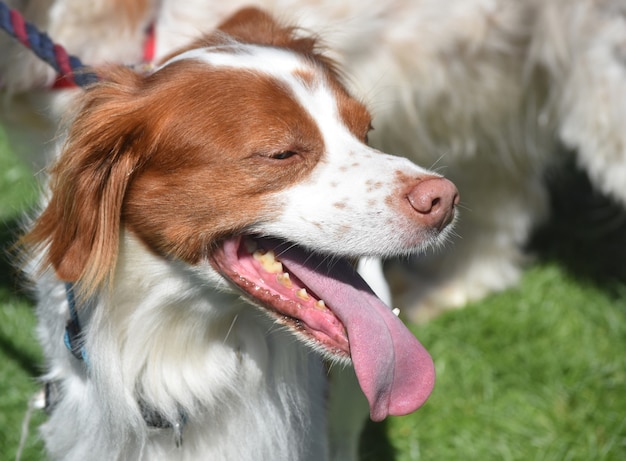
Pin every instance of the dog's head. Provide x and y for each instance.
(245, 153)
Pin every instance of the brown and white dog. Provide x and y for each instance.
(193, 254)
(484, 89)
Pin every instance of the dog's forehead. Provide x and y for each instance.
(310, 83)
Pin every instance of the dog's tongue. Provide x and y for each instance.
(394, 370)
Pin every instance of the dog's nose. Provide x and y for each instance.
(434, 199)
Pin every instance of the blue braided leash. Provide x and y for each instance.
(71, 70)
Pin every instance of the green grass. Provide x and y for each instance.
(534, 373)
(20, 356)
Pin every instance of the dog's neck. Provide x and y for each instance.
(162, 336)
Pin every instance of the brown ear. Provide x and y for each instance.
(80, 226)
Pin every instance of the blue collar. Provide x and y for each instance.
(73, 334)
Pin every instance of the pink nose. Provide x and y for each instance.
(434, 199)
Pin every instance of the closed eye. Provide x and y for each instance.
(283, 155)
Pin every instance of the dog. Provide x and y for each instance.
(192, 259)
(486, 91)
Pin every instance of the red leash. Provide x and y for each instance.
(70, 67)
(149, 46)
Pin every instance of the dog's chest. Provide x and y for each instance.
(274, 408)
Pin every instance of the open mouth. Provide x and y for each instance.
(325, 301)
(252, 264)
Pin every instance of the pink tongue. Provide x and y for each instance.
(394, 370)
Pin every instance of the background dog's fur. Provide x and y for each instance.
(484, 90)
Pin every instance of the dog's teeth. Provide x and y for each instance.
(274, 268)
(268, 261)
(396, 311)
(320, 304)
(302, 294)
(284, 280)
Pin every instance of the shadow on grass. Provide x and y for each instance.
(11, 282)
(28, 362)
(9, 232)
(375, 444)
(586, 234)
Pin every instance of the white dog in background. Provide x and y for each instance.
(483, 90)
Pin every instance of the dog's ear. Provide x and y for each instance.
(80, 225)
